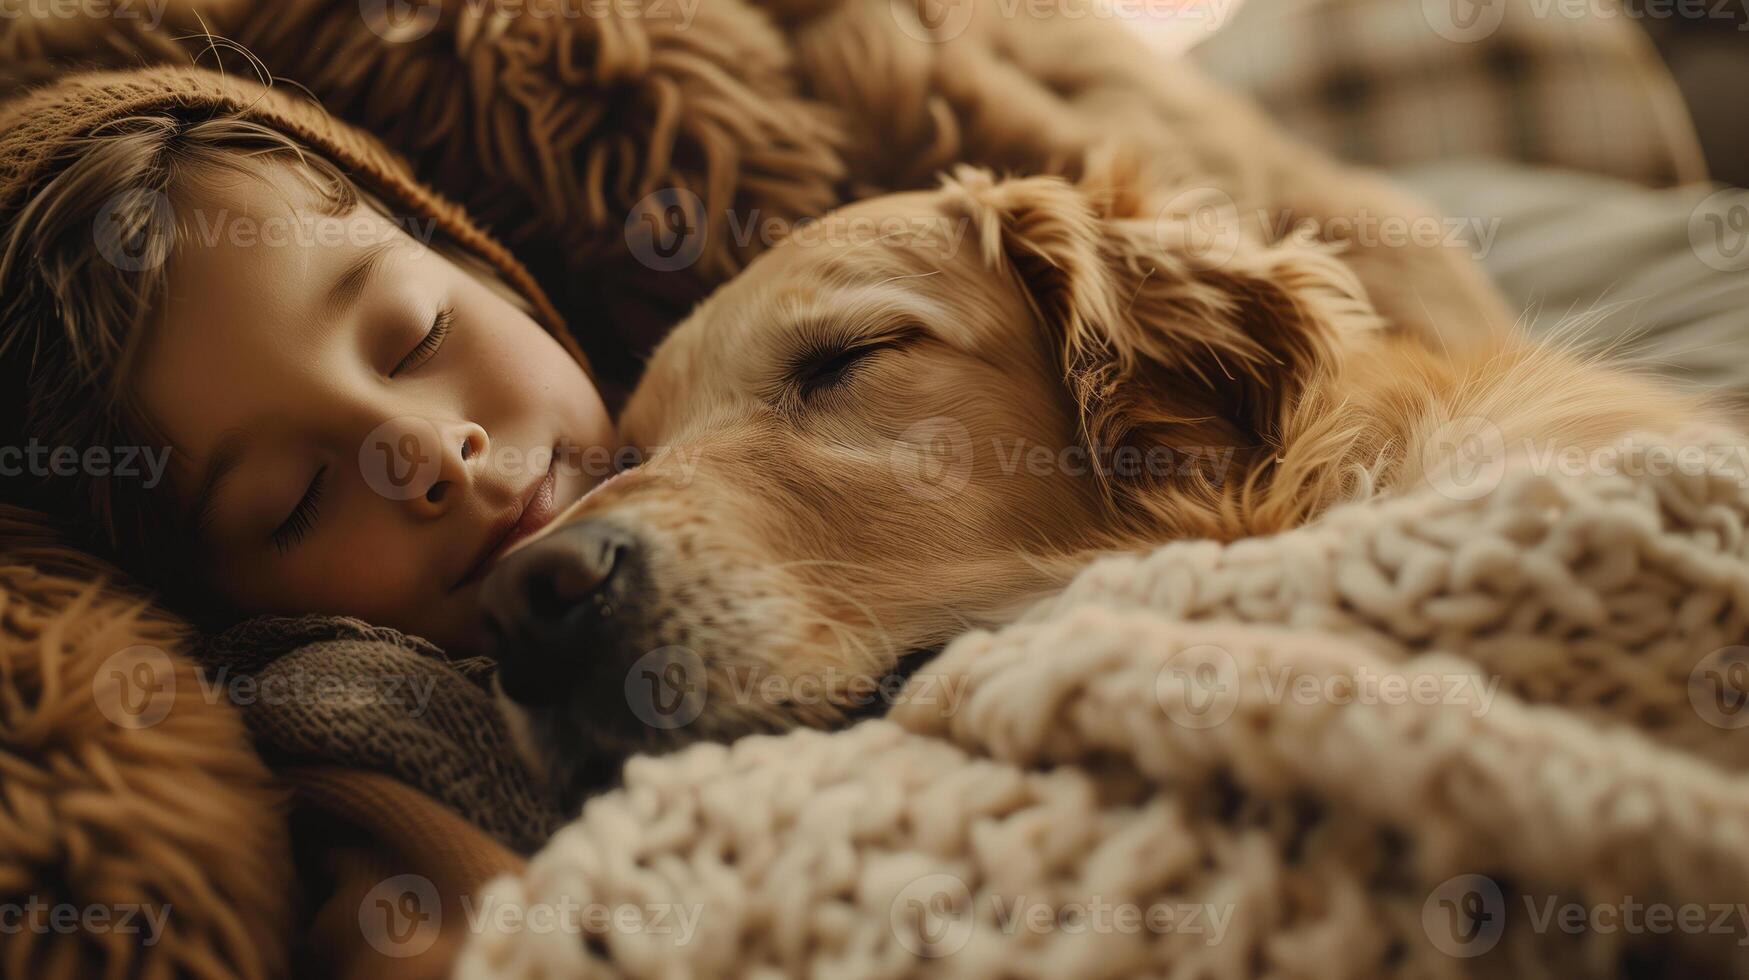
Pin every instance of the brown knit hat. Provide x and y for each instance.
(37, 127)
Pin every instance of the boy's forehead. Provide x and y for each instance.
(275, 208)
(245, 301)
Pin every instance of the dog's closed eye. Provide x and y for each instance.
(829, 367)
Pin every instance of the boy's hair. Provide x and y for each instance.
(86, 272)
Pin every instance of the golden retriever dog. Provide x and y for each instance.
(932, 407)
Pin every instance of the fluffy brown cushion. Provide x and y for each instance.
(127, 793)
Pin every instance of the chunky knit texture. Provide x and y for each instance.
(1210, 734)
(336, 690)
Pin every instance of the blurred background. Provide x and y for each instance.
(1709, 58)
(1653, 78)
(1593, 151)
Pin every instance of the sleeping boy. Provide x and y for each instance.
(362, 409)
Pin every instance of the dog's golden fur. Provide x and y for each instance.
(806, 530)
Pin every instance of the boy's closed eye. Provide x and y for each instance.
(303, 516)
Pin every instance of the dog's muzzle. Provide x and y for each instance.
(564, 613)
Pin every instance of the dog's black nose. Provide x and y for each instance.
(553, 609)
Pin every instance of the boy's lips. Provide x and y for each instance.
(539, 507)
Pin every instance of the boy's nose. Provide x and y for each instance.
(558, 611)
(458, 451)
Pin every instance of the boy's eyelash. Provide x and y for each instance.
(303, 516)
(429, 344)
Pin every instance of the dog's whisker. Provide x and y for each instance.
(913, 275)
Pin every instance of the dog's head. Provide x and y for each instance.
(907, 419)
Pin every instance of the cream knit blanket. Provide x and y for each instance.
(1437, 734)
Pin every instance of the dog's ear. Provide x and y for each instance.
(1166, 352)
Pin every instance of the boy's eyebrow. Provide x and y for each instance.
(352, 280)
(223, 462)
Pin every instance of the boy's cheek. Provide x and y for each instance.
(353, 570)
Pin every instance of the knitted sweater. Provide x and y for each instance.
(1420, 737)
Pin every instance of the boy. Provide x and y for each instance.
(361, 409)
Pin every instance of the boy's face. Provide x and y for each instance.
(360, 444)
